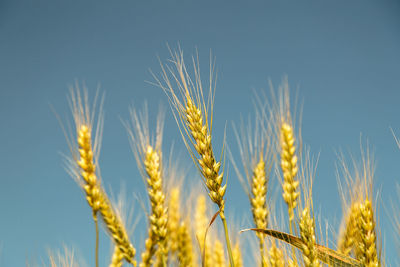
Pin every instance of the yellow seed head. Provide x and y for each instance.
(219, 255)
(289, 168)
(348, 238)
(258, 198)
(237, 256)
(367, 237)
(150, 249)
(88, 168)
(117, 258)
(173, 219)
(117, 230)
(185, 248)
(201, 222)
(159, 217)
(307, 234)
(202, 142)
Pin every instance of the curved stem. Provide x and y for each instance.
(228, 242)
(97, 239)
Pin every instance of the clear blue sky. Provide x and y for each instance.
(342, 56)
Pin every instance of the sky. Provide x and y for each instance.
(342, 59)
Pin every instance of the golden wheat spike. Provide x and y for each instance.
(159, 217)
(185, 248)
(150, 249)
(307, 234)
(173, 220)
(276, 256)
(117, 230)
(349, 236)
(289, 168)
(367, 236)
(117, 258)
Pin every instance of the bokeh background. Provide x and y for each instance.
(342, 57)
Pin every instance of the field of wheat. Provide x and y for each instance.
(187, 225)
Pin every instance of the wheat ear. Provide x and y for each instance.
(97, 198)
(201, 222)
(307, 234)
(150, 249)
(237, 255)
(117, 258)
(173, 220)
(158, 218)
(348, 238)
(367, 236)
(191, 114)
(289, 168)
(276, 256)
(184, 246)
(258, 201)
(117, 230)
(218, 254)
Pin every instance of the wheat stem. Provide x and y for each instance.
(97, 239)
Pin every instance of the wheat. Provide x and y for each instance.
(289, 168)
(195, 121)
(237, 255)
(117, 230)
(86, 167)
(201, 223)
(258, 200)
(218, 254)
(150, 249)
(367, 236)
(173, 219)
(276, 257)
(348, 238)
(117, 258)
(185, 248)
(307, 234)
(158, 218)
